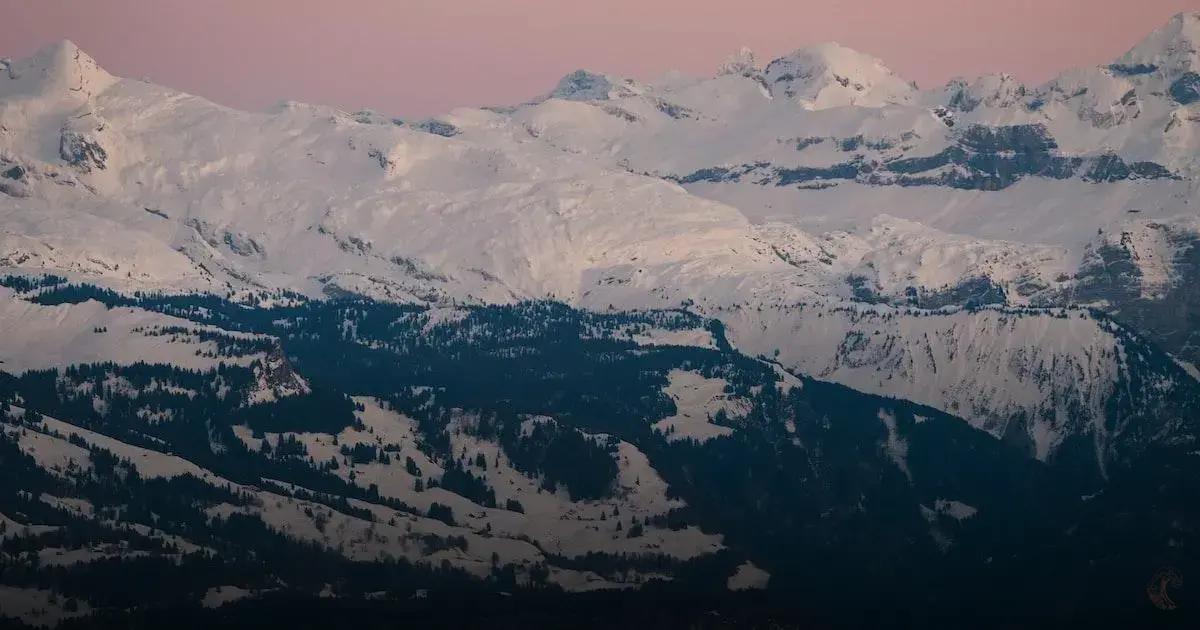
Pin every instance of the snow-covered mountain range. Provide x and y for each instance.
(1017, 256)
(822, 177)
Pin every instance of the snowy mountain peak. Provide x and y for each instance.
(743, 62)
(1171, 51)
(584, 85)
(831, 75)
(56, 68)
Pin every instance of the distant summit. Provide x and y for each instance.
(831, 75)
(58, 67)
(1171, 51)
(582, 85)
(742, 62)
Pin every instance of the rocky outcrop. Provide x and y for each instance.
(1186, 89)
(1111, 168)
(437, 128)
(239, 243)
(582, 85)
(994, 90)
(14, 179)
(82, 150)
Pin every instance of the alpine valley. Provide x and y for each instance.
(795, 344)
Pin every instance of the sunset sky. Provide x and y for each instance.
(419, 57)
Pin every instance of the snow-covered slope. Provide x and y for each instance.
(1034, 378)
(42, 337)
(821, 178)
(386, 533)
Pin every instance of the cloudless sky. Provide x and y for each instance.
(420, 57)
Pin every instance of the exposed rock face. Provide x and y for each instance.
(993, 90)
(981, 158)
(82, 150)
(437, 128)
(1148, 286)
(276, 378)
(1011, 138)
(14, 179)
(239, 243)
(989, 158)
(242, 245)
(971, 293)
(582, 85)
(1111, 168)
(1186, 89)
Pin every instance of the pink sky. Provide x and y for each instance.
(420, 57)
